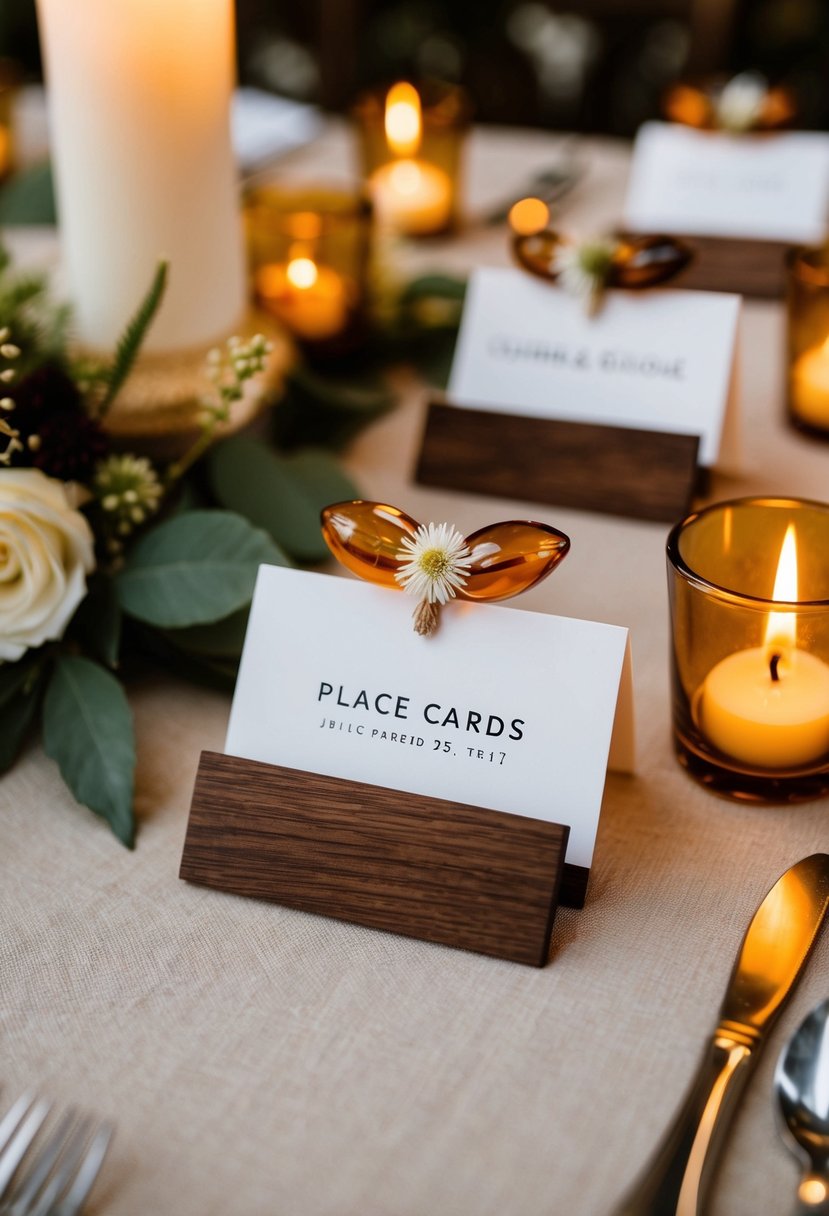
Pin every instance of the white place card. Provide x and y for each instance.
(500, 708)
(660, 360)
(708, 183)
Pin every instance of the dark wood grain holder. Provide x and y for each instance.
(617, 470)
(752, 268)
(428, 868)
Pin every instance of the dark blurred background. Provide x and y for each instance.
(593, 66)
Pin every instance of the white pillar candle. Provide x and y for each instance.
(139, 99)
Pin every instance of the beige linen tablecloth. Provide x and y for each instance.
(262, 1061)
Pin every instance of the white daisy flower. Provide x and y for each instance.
(435, 567)
(583, 268)
(740, 104)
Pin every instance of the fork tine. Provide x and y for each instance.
(87, 1172)
(42, 1165)
(10, 1120)
(19, 1141)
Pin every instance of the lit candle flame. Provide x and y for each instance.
(403, 122)
(781, 629)
(302, 273)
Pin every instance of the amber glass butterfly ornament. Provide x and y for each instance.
(744, 103)
(586, 268)
(436, 563)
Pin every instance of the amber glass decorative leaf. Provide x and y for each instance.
(645, 261)
(505, 558)
(694, 105)
(535, 251)
(366, 537)
(688, 105)
(639, 261)
(511, 557)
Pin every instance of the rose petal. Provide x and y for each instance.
(46, 550)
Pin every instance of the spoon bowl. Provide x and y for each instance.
(801, 1085)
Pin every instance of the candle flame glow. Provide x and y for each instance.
(528, 216)
(406, 178)
(403, 122)
(302, 273)
(782, 626)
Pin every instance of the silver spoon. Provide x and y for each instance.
(801, 1083)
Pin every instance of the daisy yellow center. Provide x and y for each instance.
(596, 260)
(434, 562)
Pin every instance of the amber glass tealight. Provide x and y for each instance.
(808, 340)
(309, 250)
(749, 599)
(411, 140)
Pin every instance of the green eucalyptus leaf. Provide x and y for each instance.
(322, 478)
(97, 623)
(87, 730)
(193, 569)
(281, 494)
(434, 286)
(18, 679)
(20, 699)
(221, 640)
(29, 197)
(317, 411)
(209, 670)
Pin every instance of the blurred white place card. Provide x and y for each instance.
(772, 187)
(662, 360)
(510, 710)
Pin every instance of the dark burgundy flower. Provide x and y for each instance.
(57, 434)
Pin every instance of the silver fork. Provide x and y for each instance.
(54, 1177)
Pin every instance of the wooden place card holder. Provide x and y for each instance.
(438, 870)
(749, 267)
(618, 470)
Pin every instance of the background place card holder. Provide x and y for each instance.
(642, 474)
(429, 868)
(752, 268)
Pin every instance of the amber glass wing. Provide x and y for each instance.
(366, 537)
(693, 105)
(511, 557)
(645, 261)
(536, 251)
(505, 558)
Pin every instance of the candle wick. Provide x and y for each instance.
(774, 662)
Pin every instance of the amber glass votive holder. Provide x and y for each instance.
(9, 83)
(309, 251)
(411, 141)
(748, 586)
(807, 310)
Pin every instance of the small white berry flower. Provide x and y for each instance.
(583, 269)
(740, 104)
(435, 567)
(128, 489)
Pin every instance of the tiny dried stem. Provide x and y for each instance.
(426, 618)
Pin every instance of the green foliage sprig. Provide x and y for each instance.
(178, 546)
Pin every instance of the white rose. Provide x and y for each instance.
(46, 551)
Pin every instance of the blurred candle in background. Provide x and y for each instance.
(409, 194)
(139, 99)
(312, 301)
(809, 386)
